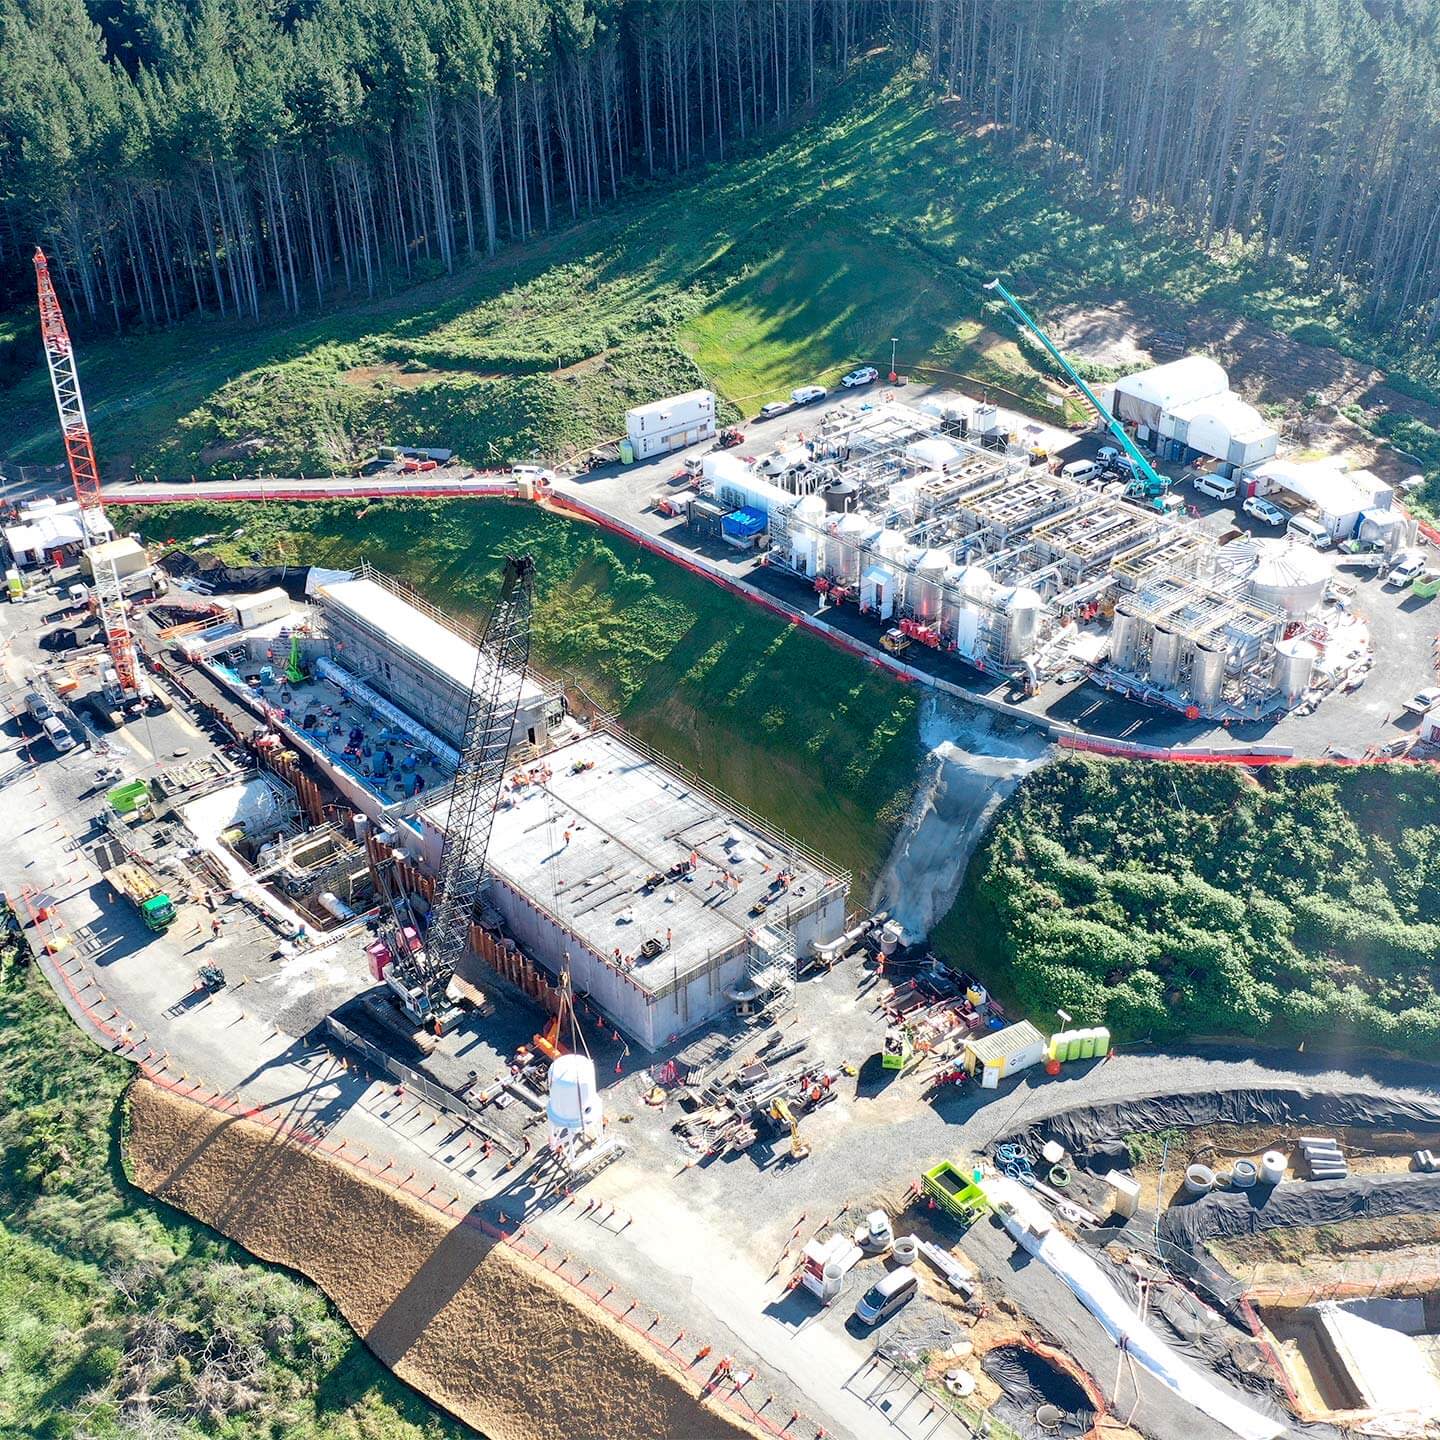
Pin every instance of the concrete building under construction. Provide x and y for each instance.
(667, 903)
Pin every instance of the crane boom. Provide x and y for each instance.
(420, 976)
(84, 476)
(1155, 484)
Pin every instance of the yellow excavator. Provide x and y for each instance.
(782, 1114)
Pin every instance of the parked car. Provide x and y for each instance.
(865, 375)
(808, 394)
(1218, 487)
(1265, 511)
(1407, 568)
(57, 732)
(1422, 702)
(39, 708)
(775, 407)
(1107, 453)
(1080, 470)
(886, 1296)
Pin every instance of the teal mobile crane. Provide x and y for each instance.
(1148, 483)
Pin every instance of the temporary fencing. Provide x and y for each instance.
(112, 1029)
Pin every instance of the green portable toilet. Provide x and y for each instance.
(1061, 1045)
(627, 453)
(1087, 1044)
(1102, 1041)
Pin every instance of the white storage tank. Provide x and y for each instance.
(1123, 633)
(1288, 576)
(932, 453)
(1022, 608)
(1208, 676)
(806, 537)
(574, 1106)
(1164, 657)
(928, 585)
(843, 549)
(1294, 665)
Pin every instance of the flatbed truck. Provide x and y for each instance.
(143, 890)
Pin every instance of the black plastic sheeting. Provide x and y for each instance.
(1029, 1381)
(1093, 1135)
(236, 579)
(1227, 1213)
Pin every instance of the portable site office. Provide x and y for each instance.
(1002, 1052)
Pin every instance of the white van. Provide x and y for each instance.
(1309, 530)
(1218, 487)
(1080, 470)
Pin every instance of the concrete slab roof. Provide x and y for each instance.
(600, 817)
(410, 628)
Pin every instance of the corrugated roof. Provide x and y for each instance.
(1003, 1044)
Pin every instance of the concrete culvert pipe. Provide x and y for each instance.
(906, 1248)
(1243, 1174)
(1272, 1167)
(1199, 1180)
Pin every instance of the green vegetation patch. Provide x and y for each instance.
(1292, 903)
(120, 1317)
(816, 740)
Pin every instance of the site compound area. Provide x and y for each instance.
(365, 870)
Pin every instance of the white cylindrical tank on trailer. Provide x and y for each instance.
(1294, 665)
(574, 1104)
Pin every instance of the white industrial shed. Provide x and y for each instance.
(1144, 397)
(1190, 402)
(47, 526)
(1223, 426)
(1337, 496)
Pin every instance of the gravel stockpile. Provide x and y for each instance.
(481, 1330)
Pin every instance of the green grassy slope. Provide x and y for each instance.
(113, 1306)
(1168, 900)
(819, 742)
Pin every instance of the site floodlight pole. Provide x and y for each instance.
(1157, 481)
(894, 341)
(84, 473)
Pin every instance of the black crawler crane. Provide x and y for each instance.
(420, 974)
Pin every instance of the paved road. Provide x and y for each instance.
(1403, 625)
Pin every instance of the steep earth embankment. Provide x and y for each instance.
(481, 1330)
(975, 760)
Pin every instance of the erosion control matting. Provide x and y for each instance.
(480, 1329)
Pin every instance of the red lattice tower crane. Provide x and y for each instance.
(85, 474)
